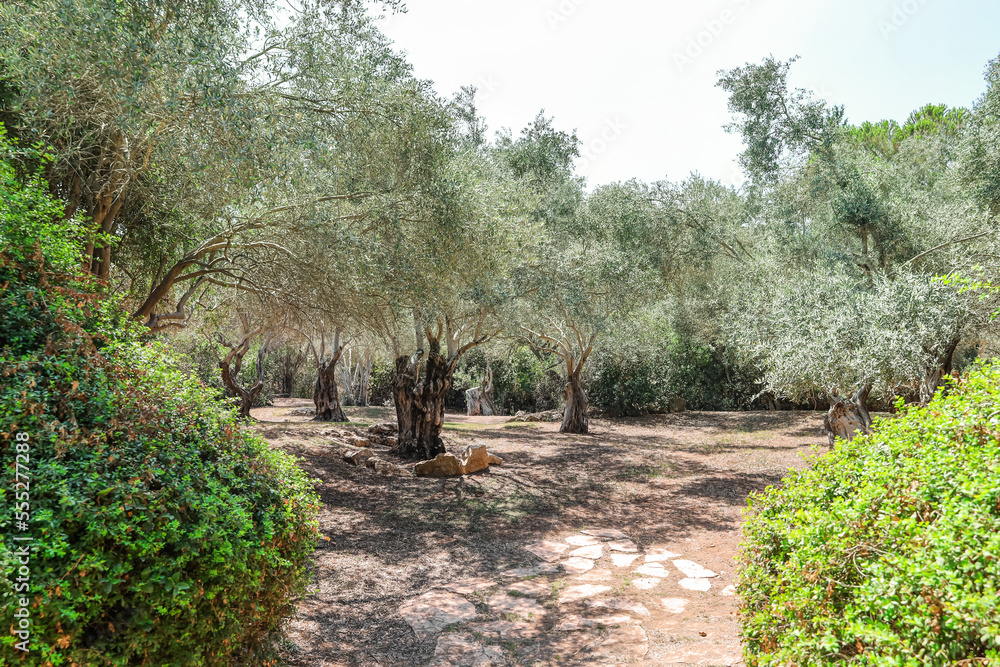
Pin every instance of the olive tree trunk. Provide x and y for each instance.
(479, 400)
(231, 365)
(935, 374)
(848, 416)
(575, 413)
(420, 404)
(326, 395)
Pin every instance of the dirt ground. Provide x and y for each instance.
(670, 482)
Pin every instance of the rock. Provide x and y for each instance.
(620, 604)
(533, 571)
(674, 605)
(526, 608)
(593, 551)
(646, 583)
(623, 560)
(390, 441)
(595, 575)
(385, 428)
(333, 433)
(547, 551)
(468, 585)
(693, 570)
(494, 460)
(574, 593)
(657, 554)
(357, 457)
(677, 404)
(506, 629)
(435, 610)
(573, 622)
(695, 584)
(518, 416)
(358, 441)
(629, 640)
(625, 546)
(385, 468)
(729, 590)
(302, 412)
(459, 649)
(475, 459)
(652, 570)
(577, 565)
(442, 465)
(532, 588)
(582, 540)
(606, 533)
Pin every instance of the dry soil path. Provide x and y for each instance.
(611, 548)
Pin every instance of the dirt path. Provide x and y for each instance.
(673, 485)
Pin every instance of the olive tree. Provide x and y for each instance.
(444, 272)
(860, 219)
(197, 135)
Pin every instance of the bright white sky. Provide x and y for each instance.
(636, 78)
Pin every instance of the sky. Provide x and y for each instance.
(636, 78)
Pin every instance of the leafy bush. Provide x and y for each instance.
(520, 380)
(162, 531)
(887, 550)
(632, 377)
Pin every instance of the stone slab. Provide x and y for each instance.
(435, 610)
(577, 565)
(548, 550)
(674, 605)
(646, 583)
(694, 570)
(574, 593)
(593, 551)
(624, 560)
(695, 584)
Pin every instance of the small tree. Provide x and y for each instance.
(232, 364)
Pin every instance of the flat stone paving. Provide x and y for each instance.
(565, 613)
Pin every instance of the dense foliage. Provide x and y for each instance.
(887, 550)
(162, 530)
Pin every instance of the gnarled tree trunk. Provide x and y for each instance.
(231, 365)
(932, 378)
(848, 416)
(420, 404)
(479, 400)
(326, 395)
(575, 413)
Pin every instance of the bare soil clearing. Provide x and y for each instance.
(664, 488)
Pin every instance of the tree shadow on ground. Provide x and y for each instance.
(660, 480)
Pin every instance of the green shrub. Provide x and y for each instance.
(163, 533)
(887, 550)
(635, 376)
(520, 380)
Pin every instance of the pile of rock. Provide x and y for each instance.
(473, 459)
(547, 416)
(363, 449)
